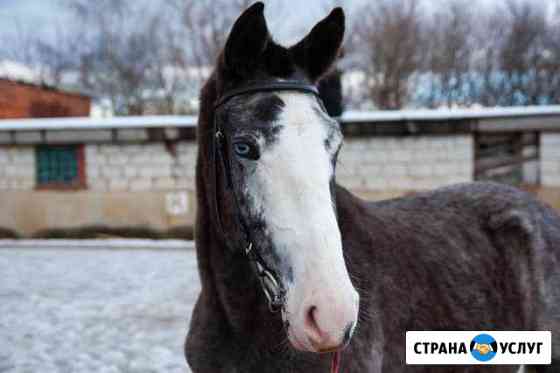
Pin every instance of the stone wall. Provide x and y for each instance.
(138, 182)
(133, 180)
(140, 167)
(17, 168)
(366, 164)
(550, 159)
(127, 184)
(405, 164)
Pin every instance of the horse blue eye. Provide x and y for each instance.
(242, 149)
(246, 150)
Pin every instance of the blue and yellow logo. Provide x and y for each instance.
(484, 347)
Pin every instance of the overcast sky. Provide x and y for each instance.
(39, 13)
(40, 16)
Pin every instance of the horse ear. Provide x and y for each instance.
(319, 49)
(247, 40)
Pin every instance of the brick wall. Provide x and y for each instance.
(22, 100)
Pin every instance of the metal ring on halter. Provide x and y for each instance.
(272, 293)
(271, 288)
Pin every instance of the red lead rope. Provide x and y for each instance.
(335, 367)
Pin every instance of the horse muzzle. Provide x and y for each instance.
(325, 323)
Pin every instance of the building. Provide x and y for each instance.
(24, 100)
(139, 171)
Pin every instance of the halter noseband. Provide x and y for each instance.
(269, 281)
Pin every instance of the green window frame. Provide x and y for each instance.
(60, 166)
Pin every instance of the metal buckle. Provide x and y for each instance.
(270, 287)
(249, 248)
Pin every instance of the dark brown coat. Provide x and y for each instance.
(468, 257)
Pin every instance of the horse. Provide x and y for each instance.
(299, 275)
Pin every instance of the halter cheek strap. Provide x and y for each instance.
(269, 281)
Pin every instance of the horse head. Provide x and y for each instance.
(274, 190)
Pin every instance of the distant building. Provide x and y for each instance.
(24, 100)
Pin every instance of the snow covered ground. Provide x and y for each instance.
(94, 310)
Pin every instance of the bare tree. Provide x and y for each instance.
(115, 61)
(514, 65)
(144, 60)
(521, 56)
(391, 32)
(449, 55)
(485, 84)
(130, 55)
(550, 71)
(38, 52)
(206, 25)
(154, 59)
(506, 56)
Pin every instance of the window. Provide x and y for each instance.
(60, 167)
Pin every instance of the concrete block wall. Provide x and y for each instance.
(367, 164)
(17, 168)
(377, 163)
(550, 159)
(141, 183)
(405, 164)
(140, 167)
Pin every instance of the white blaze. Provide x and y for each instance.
(292, 189)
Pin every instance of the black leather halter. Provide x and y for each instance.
(269, 281)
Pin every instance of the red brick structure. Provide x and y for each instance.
(24, 100)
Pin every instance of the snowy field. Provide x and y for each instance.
(92, 310)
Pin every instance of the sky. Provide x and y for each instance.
(296, 16)
(24, 20)
(38, 13)
(41, 15)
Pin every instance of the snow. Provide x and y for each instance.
(448, 114)
(98, 244)
(163, 121)
(86, 123)
(17, 71)
(73, 310)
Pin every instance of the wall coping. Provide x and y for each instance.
(88, 123)
(382, 123)
(444, 115)
(97, 244)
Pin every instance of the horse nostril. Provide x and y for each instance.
(313, 330)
